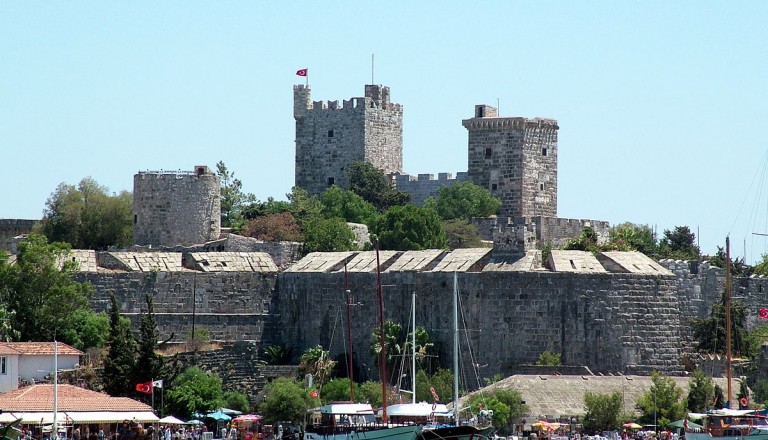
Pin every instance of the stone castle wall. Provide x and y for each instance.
(424, 186)
(330, 137)
(11, 228)
(176, 208)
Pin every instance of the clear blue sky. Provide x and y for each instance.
(661, 105)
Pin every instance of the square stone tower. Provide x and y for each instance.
(516, 160)
(329, 137)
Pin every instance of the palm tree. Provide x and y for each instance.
(318, 363)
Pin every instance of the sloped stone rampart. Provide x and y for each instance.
(231, 262)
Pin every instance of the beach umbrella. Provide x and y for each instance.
(218, 416)
(632, 425)
(171, 420)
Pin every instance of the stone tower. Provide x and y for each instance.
(516, 160)
(329, 137)
(173, 208)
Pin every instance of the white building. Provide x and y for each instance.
(30, 362)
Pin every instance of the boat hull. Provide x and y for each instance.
(364, 433)
(707, 436)
(452, 433)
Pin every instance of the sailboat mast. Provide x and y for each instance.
(382, 339)
(455, 349)
(413, 349)
(728, 362)
(349, 337)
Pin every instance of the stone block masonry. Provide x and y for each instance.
(329, 137)
(12, 228)
(176, 208)
(425, 186)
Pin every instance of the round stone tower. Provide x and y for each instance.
(173, 208)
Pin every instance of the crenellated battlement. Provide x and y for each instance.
(514, 123)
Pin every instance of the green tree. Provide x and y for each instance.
(424, 349)
(710, 332)
(89, 329)
(285, 400)
(587, 241)
(370, 391)
(501, 411)
(409, 228)
(41, 291)
(633, 237)
(461, 234)
(441, 381)
(317, 362)
(662, 402)
(337, 390)
(149, 365)
(277, 355)
(237, 401)
(463, 200)
(549, 359)
(303, 206)
(701, 392)
(233, 200)
(679, 243)
(375, 187)
(602, 411)
(194, 391)
(347, 205)
(760, 391)
(327, 235)
(394, 341)
(7, 317)
(87, 217)
(120, 364)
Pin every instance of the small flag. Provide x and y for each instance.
(302, 72)
(314, 394)
(764, 313)
(157, 384)
(685, 424)
(145, 387)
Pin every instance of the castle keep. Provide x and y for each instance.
(173, 208)
(329, 137)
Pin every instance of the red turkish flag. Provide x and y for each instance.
(302, 72)
(314, 394)
(145, 387)
(764, 313)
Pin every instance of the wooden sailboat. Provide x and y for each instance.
(357, 421)
(437, 422)
(727, 423)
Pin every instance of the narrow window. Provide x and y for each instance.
(331, 181)
(3, 369)
(135, 218)
(494, 187)
(543, 151)
(541, 187)
(330, 133)
(487, 152)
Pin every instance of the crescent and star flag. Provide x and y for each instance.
(145, 387)
(685, 424)
(314, 394)
(302, 72)
(157, 384)
(763, 313)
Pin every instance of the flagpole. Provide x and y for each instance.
(152, 388)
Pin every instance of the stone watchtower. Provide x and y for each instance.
(329, 137)
(173, 208)
(516, 160)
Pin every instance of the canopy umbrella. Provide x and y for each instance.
(680, 424)
(218, 416)
(247, 418)
(193, 422)
(230, 412)
(171, 420)
(632, 425)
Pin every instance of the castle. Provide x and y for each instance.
(514, 158)
(608, 313)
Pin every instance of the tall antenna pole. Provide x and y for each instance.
(728, 317)
(349, 337)
(372, 70)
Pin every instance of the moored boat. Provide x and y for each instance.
(727, 424)
(354, 421)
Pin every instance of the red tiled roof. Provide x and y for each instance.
(71, 398)
(34, 348)
(5, 349)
